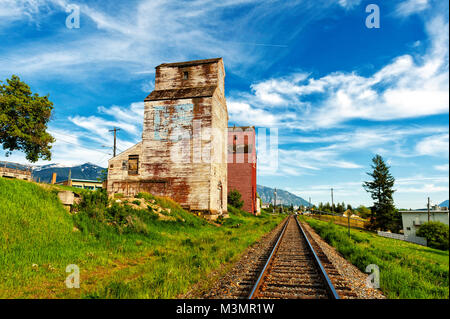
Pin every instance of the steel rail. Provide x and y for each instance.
(329, 285)
(259, 281)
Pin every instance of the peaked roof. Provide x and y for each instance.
(182, 93)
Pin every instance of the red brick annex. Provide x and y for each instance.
(242, 165)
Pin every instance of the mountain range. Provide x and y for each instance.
(84, 171)
(283, 197)
(444, 203)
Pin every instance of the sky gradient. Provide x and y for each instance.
(337, 92)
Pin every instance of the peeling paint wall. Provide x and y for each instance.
(183, 150)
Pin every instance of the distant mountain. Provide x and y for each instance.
(444, 203)
(85, 171)
(283, 197)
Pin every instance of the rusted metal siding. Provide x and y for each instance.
(179, 157)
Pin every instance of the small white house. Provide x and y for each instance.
(412, 219)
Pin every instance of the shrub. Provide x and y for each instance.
(436, 234)
(234, 199)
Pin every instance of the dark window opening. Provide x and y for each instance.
(133, 164)
(185, 75)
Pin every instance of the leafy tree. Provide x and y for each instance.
(349, 207)
(364, 212)
(234, 199)
(436, 234)
(384, 214)
(23, 120)
(103, 175)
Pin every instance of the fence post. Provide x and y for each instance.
(348, 215)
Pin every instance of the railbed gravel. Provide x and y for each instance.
(355, 279)
(238, 282)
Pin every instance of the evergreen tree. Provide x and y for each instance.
(384, 215)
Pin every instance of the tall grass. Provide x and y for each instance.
(122, 252)
(406, 270)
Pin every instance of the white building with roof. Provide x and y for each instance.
(413, 219)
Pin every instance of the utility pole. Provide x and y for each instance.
(309, 206)
(332, 201)
(428, 208)
(115, 133)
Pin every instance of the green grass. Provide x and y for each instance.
(122, 252)
(406, 270)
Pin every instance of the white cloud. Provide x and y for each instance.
(349, 4)
(436, 145)
(12, 10)
(423, 189)
(409, 7)
(296, 162)
(443, 168)
(408, 87)
(136, 36)
(243, 113)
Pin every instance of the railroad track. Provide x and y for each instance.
(297, 268)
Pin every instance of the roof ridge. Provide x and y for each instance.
(192, 62)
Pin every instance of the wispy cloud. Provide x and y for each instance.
(409, 87)
(408, 7)
(436, 145)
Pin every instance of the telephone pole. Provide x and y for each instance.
(428, 208)
(332, 201)
(115, 133)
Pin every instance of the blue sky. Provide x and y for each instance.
(337, 92)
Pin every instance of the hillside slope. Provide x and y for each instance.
(122, 251)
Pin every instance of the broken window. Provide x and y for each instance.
(133, 164)
(124, 165)
(185, 75)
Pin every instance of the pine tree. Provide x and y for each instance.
(384, 215)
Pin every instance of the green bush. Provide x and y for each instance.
(436, 234)
(234, 199)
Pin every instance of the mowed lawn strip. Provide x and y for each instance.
(407, 270)
(161, 259)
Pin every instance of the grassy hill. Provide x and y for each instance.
(406, 270)
(122, 251)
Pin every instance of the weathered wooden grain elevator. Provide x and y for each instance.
(183, 153)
